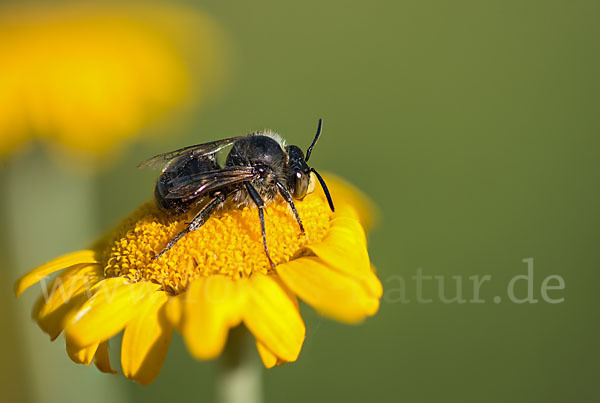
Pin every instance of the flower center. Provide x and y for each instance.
(228, 243)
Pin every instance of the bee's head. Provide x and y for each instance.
(301, 178)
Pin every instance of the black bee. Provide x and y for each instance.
(258, 167)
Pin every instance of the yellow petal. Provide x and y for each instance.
(67, 292)
(174, 309)
(346, 215)
(269, 359)
(81, 355)
(273, 318)
(344, 250)
(63, 262)
(343, 192)
(146, 340)
(291, 296)
(102, 360)
(114, 304)
(327, 290)
(211, 307)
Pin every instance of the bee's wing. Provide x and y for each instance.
(199, 184)
(163, 161)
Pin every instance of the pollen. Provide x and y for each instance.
(229, 243)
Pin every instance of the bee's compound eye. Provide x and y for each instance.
(302, 184)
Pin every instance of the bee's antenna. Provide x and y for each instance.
(325, 190)
(319, 128)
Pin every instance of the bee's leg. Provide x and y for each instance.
(195, 224)
(261, 205)
(288, 198)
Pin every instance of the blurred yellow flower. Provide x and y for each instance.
(212, 280)
(90, 77)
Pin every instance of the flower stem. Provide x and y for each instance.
(239, 377)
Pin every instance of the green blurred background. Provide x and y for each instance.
(473, 125)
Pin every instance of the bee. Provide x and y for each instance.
(258, 168)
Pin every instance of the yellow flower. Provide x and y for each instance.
(212, 280)
(91, 76)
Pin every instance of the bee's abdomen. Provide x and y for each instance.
(163, 192)
(168, 205)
